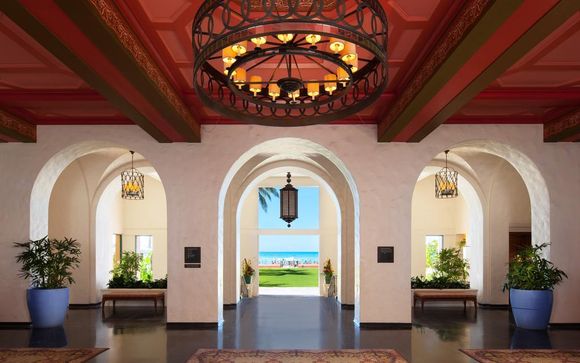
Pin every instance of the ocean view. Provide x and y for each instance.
(275, 258)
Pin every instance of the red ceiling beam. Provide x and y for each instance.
(529, 93)
(483, 41)
(494, 120)
(564, 128)
(10, 96)
(15, 129)
(92, 38)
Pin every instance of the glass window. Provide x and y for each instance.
(433, 245)
(144, 247)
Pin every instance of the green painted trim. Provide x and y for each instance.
(490, 21)
(92, 25)
(18, 14)
(546, 25)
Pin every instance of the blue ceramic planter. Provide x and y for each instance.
(531, 308)
(47, 307)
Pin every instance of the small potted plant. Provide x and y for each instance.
(48, 264)
(247, 271)
(531, 279)
(328, 271)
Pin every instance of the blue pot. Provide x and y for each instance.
(47, 307)
(531, 308)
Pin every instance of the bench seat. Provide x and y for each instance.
(446, 295)
(114, 296)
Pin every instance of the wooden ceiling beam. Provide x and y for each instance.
(15, 129)
(483, 41)
(564, 128)
(86, 38)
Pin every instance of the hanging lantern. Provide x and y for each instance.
(288, 202)
(446, 182)
(132, 183)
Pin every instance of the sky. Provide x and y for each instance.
(308, 211)
(288, 243)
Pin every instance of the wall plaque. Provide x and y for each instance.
(192, 257)
(386, 254)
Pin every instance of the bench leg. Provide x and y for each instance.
(464, 306)
(114, 305)
(155, 303)
(103, 309)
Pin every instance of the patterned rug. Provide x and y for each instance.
(296, 356)
(523, 355)
(43, 355)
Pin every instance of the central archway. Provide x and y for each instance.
(274, 154)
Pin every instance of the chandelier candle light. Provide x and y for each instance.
(132, 183)
(446, 181)
(289, 62)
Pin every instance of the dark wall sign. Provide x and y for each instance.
(192, 257)
(386, 254)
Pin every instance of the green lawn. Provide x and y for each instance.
(289, 277)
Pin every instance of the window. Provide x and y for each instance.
(117, 245)
(308, 211)
(433, 245)
(144, 247)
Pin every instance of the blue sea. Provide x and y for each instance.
(269, 258)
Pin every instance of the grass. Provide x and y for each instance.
(289, 277)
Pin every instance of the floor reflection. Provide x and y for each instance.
(48, 338)
(530, 339)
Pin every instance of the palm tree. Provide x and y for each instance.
(265, 195)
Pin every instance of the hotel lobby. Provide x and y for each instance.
(151, 129)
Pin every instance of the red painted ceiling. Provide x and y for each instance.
(39, 88)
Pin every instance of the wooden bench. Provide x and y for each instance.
(114, 296)
(446, 295)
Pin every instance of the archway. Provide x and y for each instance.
(266, 156)
(64, 202)
(327, 234)
(488, 168)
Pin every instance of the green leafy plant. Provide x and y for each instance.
(327, 268)
(127, 268)
(437, 282)
(119, 283)
(247, 269)
(145, 269)
(450, 264)
(265, 195)
(48, 263)
(450, 272)
(529, 270)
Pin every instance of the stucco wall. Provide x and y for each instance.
(385, 176)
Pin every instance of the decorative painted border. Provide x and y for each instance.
(469, 16)
(19, 128)
(563, 127)
(111, 16)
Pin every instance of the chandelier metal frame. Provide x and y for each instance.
(132, 183)
(290, 27)
(446, 182)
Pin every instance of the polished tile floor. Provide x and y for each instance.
(136, 334)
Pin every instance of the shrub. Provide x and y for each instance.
(450, 264)
(451, 272)
(529, 270)
(437, 282)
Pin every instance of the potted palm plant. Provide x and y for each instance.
(48, 264)
(247, 271)
(531, 279)
(328, 271)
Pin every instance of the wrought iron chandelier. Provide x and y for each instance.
(288, 201)
(289, 62)
(446, 182)
(132, 183)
